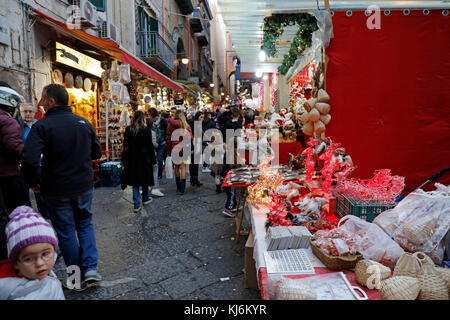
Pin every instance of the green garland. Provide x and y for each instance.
(273, 29)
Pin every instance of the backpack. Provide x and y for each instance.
(160, 136)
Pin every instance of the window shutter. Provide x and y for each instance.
(100, 4)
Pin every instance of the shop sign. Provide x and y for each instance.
(75, 59)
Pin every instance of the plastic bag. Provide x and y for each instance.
(328, 286)
(114, 71)
(115, 88)
(169, 169)
(125, 120)
(374, 243)
(420, 221)
(124, 71)
(124, 95)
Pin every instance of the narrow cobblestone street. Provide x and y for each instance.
(177, 247)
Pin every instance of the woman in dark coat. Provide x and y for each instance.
(193, 167)
(138, 158)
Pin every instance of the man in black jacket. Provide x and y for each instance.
(68, 144)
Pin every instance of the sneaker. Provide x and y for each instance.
(149, 200)
(235, 209)
(228, 213)
(136, 210)
(206, 170)
(157, 193)
(92, 276)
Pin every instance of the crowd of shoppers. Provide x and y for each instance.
(53, 158)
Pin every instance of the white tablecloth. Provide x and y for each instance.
(258, 220)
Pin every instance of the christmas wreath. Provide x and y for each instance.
(273, 29)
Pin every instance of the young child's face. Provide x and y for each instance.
(36, 261)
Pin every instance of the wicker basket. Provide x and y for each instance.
(408, 265)
(423, 258)
(432, 285)
(399, 288)
(445, 274)
(363, 273)
(418, 230)
(334, 262)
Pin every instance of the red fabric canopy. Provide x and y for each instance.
(113, 49)
(389, 93)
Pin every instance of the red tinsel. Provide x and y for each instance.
(309, 162)
(382, 187)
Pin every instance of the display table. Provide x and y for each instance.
(258, 218)
(240, 213)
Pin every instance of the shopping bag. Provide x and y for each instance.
(169, 169)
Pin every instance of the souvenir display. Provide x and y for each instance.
(78, 82)
(57, 76)
(68, 80)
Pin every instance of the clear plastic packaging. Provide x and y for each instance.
(124, 95)
(124, 72)
(420, 221)
(328, 286)
(374, 243)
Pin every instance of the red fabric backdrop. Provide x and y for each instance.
(390, 93)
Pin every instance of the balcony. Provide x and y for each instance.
(195, 21)
(202, 38)
(156, 51)
(185, 6)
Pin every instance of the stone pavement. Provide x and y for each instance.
(176, 248)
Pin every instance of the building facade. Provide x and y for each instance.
(159, 32)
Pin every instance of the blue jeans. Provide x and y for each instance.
(160, 158)
(137, 196)
(72, 220)
(155, 177)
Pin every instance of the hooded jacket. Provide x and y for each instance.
(13, 287)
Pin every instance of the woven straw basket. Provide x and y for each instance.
(335, 262)
(423, 258)
(363, 274)
(419, 229)
(432, 285)
(399, 288)
(408, 265)
(445, 274)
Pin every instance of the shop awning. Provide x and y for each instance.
(191, 85)
(188, 90)
(111, 48)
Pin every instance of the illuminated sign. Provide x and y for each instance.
(77, 60)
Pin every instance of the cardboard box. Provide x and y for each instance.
(251, 278)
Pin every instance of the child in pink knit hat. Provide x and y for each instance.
(32, 245)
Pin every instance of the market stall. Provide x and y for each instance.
(316, 226)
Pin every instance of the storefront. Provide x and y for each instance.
(103, 80)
